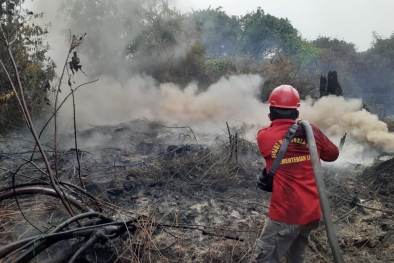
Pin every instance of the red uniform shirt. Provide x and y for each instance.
(294, 197)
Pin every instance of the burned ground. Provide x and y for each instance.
(191, 197)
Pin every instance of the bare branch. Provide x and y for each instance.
(33, 132)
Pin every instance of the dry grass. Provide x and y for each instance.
(219, 198)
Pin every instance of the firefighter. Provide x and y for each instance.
(294, 207)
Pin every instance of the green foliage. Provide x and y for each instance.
(306, 54)
(379, 65)
(202, 46)
(149, 37)
(256, 34)
(184, 70)
(161, 31)
(220, 67)
(263, 34)
(132, 35)
(109, 26)
(26, 40)
(219, 32)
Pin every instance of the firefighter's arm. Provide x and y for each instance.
(329, 152)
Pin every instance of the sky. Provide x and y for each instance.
(349, 20)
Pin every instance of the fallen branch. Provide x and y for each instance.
(32, 246)
(345, 215)
(373, 208)
(205, 233)
(43, 191)
(368, 207)
(112, 229)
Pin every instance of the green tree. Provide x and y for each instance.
(264, 34)
(26, 40)
(110, 26)
(377, 76)
(219, 32)
(130, 35)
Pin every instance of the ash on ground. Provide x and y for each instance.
(196, 193)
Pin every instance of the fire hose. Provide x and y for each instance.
(325, 205)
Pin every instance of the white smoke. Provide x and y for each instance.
(232, 99)
(366, 134)
(337, 116)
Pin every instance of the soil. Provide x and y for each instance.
(194, 194)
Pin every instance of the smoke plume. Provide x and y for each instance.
(337, 116)
(232, 99)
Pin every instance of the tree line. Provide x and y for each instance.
(150, 37)
(219, 44)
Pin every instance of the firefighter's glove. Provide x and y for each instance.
(264, 181)
(258, 183)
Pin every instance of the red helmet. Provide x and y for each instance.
(284, 96)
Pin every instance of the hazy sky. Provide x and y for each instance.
(349, 20)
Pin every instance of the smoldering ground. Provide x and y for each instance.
(232, 99)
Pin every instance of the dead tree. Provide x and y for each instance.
(330, 85)
(323, 86)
